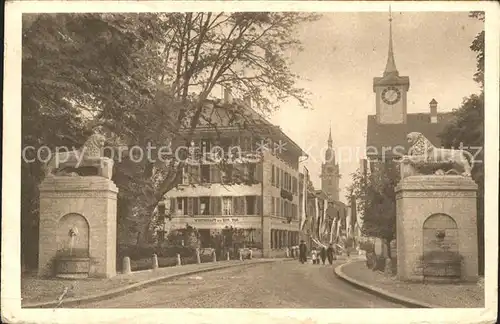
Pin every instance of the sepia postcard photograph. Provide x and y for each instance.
(250, 161)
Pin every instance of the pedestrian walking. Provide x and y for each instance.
(329, 253)
(314, 255)
(292, 251)
(322, 254)
(302, 252)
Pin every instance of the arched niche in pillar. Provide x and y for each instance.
(441, 256)
(72, 236)
(440, 233)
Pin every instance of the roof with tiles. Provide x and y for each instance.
(393, 136)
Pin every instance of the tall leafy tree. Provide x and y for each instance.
(376, 200)
(466, 130)
(72, 67)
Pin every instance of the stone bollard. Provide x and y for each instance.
(179, 259)
(287, 252)
(228, 256)
(126, 269)
(388, 268)
(240, 252)
(198, 259)
(155, 261)
(214, 256)
(250, 256)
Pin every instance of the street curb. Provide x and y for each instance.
(139, 285)
(408, 302)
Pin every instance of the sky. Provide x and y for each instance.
(342, 54)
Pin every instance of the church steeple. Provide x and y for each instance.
(390, 67)
(330, 171)
(330, 153)
(391, 89)
(330, 142)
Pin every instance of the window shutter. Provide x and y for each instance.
(282, 178)
(243, 205)
(215, 173)
(231, 206)
(277, 177)
(239, 205)
(217, 206)
(196, 205)
(258, 200)
(195, 174)
(245, 171)
(213, 202)
(190, 205)
(235, 206)
(272, 178)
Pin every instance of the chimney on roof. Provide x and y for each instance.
(228, 96)
(433, 106)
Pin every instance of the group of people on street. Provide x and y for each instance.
(324, 253)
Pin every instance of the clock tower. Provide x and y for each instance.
(330, 175)
(390, 90)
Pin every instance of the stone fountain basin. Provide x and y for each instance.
(445, 271)
(72, 267)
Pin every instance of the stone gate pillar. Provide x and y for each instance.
(86, 205)
(441, 201)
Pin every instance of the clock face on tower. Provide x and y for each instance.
(391, 95)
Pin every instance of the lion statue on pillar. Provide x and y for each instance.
(89, 155)
(425, 158)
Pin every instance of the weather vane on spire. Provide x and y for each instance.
(390, 67)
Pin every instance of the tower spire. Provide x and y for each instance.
(390, 67)
(330, 142)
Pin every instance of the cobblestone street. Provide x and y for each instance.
(275, 285)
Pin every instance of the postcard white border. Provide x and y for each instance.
(11, 174)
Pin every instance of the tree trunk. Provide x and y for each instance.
(388, 242)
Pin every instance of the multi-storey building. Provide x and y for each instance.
(246, 178)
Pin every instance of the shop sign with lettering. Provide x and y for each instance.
(216, 220)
